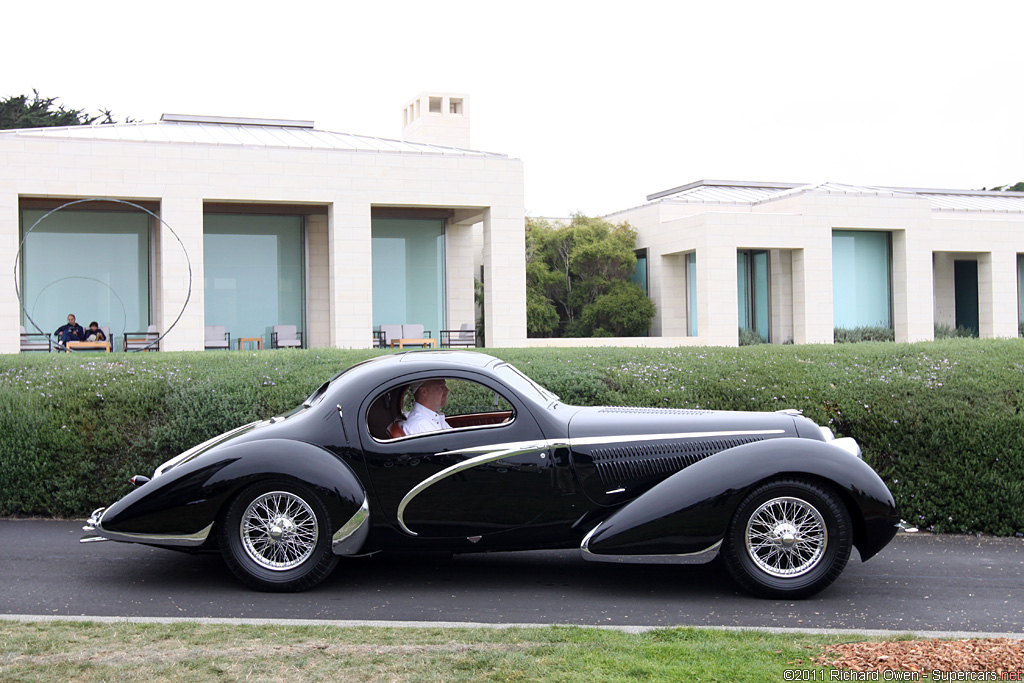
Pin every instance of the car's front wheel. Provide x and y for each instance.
(276, 536)
(788, 539)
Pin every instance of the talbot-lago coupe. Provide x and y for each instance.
(776, 495)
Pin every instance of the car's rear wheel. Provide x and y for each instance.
(788, 539)
(276, 536)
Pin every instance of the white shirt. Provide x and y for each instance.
(422, 419)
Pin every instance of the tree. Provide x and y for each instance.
(21, 111)
(578, 280)
(1019, 187)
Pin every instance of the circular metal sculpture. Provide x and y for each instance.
(21, 249)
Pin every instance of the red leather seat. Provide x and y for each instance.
(395, 430)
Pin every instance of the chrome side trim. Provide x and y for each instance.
(350, 537)
(601, 440)
(504, 451)
(699, 557)
(494, 452)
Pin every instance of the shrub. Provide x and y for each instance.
(852, 335)
(942, 422)
(749, 337)
(947, 332)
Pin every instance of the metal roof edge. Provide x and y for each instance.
(236, 120)
(722, 183)
(976, 193)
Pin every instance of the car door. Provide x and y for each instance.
(490, 473)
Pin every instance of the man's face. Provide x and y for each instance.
(71, 320)
(433, 394)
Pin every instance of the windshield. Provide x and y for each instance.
(524, 385)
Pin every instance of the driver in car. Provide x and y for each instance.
(430, 396)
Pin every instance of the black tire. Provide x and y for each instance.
(276, 536)
(788, 539)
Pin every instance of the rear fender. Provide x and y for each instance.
(187, 500)
(687, 514)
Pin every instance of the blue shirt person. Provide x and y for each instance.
(70, 332)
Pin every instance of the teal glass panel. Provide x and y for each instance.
(759, 293)
(640, 272)
(1020, 287)
(743, 289)
(253, 273)
(860, 278)
(409, 273)
(94, 264)
(752, 291)
(691, 292)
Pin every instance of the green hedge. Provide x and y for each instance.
(941, 421)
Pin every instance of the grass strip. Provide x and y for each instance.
(90, 651)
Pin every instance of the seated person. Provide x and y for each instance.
(70, 332)
(94, 333)
(430, 396)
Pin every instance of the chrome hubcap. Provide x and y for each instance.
(279, 531)
(786, 537)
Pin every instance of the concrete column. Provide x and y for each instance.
(717, 313)
(781, 270)
(504, 276)
(997, 294)
(10, 309)
(667, 277)
(912, 288)
(318, 296)
(459, 275)
(813, 320)
(944, 309)
(350, 275)
(178, 252)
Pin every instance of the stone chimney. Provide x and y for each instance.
(437, 119)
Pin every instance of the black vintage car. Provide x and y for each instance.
(281, 500)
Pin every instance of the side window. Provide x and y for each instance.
(467, 405)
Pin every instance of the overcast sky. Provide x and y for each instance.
(605, 102)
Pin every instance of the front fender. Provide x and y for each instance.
(689, 512)
(188, 498)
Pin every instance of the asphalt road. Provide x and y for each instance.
(918, 583)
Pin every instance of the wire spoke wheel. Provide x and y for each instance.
(279, 531)
(276, 536)
(786, 537)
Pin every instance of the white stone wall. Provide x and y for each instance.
(181, 177)
(797, 229)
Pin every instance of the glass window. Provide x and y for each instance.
(94, 264)
(468, 405)
(861, 274)
(253, 273)
(691, 291)
(640, 272)
(408, 273)
(1020, 288)
(752, 291)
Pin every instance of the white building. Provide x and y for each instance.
(793, 262)
(275, 221)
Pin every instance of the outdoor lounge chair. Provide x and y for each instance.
(35, 341)
(285, 337)
(141, 341)
(464, 336)
(217, 337)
